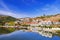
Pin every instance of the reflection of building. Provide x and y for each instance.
(46, 34)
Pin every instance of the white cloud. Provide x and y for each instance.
(10, 12)
(17, 15)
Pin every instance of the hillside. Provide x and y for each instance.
(5, 18)
(50, 17)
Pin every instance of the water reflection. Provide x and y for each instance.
(20, 35)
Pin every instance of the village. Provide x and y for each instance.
(35, 22)
(28, 22)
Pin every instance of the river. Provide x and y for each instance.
(20, 35)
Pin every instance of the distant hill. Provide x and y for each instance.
(50, 17)
(5, 18)
(55, 17)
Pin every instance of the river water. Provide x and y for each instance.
(20, 35)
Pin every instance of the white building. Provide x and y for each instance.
(43, 23)
(56, 22)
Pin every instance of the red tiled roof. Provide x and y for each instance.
(32, 22)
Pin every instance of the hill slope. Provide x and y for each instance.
(5, 18)
(50, 17)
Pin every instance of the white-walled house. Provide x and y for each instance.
(47, 23)
(56, 22)
(16, 21)
(6, 24)
(42, 23)
(34, 24)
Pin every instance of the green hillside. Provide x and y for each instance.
(4, 18)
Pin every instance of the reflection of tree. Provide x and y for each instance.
(6, 30)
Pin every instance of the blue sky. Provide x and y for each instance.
(29, 8)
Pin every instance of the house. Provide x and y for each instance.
(16, 22)
(45, 23)
(57, 22)
(6, 24)
(34, 24)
